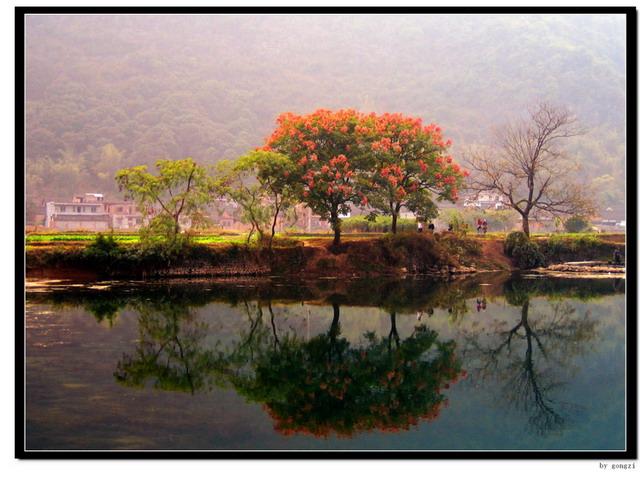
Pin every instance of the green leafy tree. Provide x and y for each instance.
(180, 189)
(273, 172)
(237, 181)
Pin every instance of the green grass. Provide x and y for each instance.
(34, 239)
(132, 238)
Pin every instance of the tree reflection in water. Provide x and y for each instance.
(169, 350)
(531, 359)
(327, 385)
(318, 386)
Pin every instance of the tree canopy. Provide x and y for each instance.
(179, 189)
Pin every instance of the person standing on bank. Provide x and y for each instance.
(419, 227)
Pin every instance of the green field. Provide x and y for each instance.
(37, 238)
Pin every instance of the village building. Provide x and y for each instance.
(124, 216)
(84, 212)
(304, 220)
(90, 212)
(485, 201)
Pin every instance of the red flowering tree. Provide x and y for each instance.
(328, 152)
(408, 165)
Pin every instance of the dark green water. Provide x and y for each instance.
(488, 363)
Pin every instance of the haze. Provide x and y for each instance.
(108, 92)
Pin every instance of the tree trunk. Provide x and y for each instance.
(273, 225)
(525, 224)
(335, 224)
(176, 227)
(395, 213)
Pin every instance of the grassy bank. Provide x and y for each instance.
(558, 248)
(360, 255)
(384, 255)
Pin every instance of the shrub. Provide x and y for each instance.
(513, 240)
(528, 255)
(102, 245)
(576, 224)
(525, 253)
(357, 223)
(379, 224)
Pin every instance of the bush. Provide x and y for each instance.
(513, 240)
(102, 252)
(381, 224)
(525, 253)
(528, 255)
(576, 224)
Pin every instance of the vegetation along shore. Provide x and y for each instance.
(442, 254)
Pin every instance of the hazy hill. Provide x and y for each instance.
(104, 92)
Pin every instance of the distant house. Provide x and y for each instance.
(305, 220)
(84, 212)
(611, 218)
(90, 212)
(485, 201)
(124, 216)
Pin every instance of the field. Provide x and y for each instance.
(127, 238)
(79, 238)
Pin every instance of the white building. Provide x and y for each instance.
(85, 212)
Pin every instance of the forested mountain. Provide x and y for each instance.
(105, 92)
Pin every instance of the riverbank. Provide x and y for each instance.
(384, 255)
(440, 254)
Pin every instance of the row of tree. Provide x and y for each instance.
(328, 160)
(333, 160)
(109, 91)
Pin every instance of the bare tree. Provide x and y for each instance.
(529, 167)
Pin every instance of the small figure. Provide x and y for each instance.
(478, 304)
(484, 226)
(617, 256)
(450, 229)
(484, 303)
(419, 227)
(479, 225)
(432, 227)
(430, 311)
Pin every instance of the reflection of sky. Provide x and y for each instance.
(74, 402)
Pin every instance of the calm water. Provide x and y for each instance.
(490, 363)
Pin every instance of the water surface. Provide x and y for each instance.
(488, 363)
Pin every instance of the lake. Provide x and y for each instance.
(491, 362)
